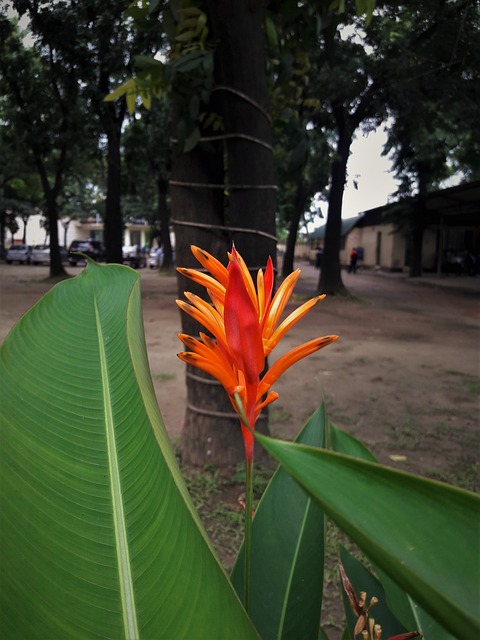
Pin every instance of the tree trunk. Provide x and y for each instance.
(245, 107)
(417, 230)
(330, 280)
(3, 233)
(164, 219)
(51, 194)
(113, 222)
(211, 433)
(246, 215)
(299, 209)
(56, 266)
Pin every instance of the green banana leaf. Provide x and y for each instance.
(408, 612)
(288, 541)
(421, 533)
(98, 536)
(343, 442)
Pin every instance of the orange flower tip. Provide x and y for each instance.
(325, 340)
(186, 355)
(196, 250)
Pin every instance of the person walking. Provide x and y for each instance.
(353, 261)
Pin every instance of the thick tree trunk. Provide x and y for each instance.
(236, 204)
(211, 433)
(244, 101)
(113, 222)
(330, 280)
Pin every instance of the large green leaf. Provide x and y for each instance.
(288, 537)
(423, 534)
(344, 442)
(98, 535)
(408, 612)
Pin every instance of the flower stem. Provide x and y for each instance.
(248, 531)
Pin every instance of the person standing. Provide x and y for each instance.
(353, 261)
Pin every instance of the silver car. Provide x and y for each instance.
(21, 253)
(41, 254)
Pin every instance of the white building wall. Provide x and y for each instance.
(76, 230)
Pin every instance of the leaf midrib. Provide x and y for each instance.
(121, 538)
(292, 571)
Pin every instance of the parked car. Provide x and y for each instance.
(91, 248)
(134, 256)
(41, 254)
(21, 253)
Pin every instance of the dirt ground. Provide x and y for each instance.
(404, 376)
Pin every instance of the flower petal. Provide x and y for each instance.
(264, 291)
(290, 358)
(279, 301)
(247, 278)
(204, 280)
(288, 323)
(211, 264)
(241, 326)
(209, 365)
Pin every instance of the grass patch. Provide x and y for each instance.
(279, 415)
(217, 496)
(164, 377)
(463, 473)
(408, 436)
(471, 384)
(473, 387)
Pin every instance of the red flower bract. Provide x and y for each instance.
(244, 322)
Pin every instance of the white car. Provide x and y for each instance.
(20, 253)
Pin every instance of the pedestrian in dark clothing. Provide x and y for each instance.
(353, 261)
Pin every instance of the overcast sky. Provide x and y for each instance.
(370, 170)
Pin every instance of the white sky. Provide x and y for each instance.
(370, 170)
(369, 181)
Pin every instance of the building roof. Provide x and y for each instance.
(455, 206)
(347, 224)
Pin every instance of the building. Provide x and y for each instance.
(136, 231)
(451, 233)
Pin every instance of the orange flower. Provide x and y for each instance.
(245, 322)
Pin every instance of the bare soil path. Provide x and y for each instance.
(404, 376)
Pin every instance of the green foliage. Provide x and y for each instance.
(287, 566)
(90, 489)
(431, 89)
(99, 537)
(379, 510)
